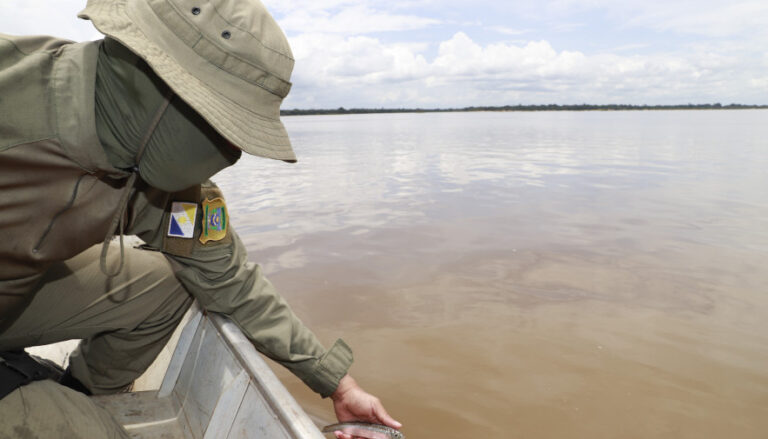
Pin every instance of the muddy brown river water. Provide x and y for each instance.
(528, 275)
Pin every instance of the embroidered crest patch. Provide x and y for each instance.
(182, 223)
(214, 227)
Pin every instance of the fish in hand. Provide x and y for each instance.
(365, 430)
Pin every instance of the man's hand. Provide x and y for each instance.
(352, 403)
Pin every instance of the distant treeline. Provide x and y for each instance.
(550, 107)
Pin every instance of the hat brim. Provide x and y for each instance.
(254, 133)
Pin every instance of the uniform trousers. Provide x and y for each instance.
(124, 322)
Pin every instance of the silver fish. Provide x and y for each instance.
(365, 430)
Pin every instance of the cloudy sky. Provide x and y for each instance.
(455, 53)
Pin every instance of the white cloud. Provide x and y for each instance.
(287, 6)
(363, 71)
(355, 70)
(348, 17)
(352, 20)
(324, 60)
(715, 18)
(422, 53)
(507, 30)
(36, 17)
(712, 18)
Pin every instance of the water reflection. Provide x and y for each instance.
(526, 275)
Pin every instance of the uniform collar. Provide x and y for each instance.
(74, 84)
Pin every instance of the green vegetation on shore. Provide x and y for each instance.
(549, 107)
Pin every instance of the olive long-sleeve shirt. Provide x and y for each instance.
(58, 194)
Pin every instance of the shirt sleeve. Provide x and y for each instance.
(218, 274)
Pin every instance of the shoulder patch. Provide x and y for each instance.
(182, 222)
(214, 220)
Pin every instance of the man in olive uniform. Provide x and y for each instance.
(119, 137)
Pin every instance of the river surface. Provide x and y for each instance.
(528, 275)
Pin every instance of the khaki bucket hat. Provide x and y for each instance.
(228, 59)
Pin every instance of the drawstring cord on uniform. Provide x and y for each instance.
(118, 220)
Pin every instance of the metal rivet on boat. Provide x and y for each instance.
(195, 11)
(226, 35)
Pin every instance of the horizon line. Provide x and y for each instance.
(521, 107)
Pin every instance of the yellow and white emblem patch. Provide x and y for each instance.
(214, 227)
(182, 223)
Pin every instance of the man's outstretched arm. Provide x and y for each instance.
(220, 277)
